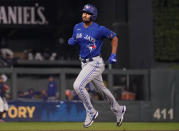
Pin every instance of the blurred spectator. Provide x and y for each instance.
(29, 93)
(3, 89)
(52, 89)
(7, 53)
(30, 56)
(45, 54)
(71, 95)
(7, 57)
(44, 95)
(53, 56)
(20, 94)
(68, 94)
(38, 56)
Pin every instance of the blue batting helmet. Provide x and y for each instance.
(89, 8)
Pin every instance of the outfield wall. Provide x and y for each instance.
(72, 111)
(140, 111)
(160, 103)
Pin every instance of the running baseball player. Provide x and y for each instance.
(3, 102)
(89, 36)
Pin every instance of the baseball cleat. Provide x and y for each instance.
(90, 119)
(120, 119)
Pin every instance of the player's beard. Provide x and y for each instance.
(86, 21)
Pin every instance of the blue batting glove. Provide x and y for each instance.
(112, 59)
(71, 41)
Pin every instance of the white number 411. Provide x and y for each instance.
(163, 114)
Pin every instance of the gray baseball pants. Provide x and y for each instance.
(92, 72)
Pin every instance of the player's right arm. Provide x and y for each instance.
(72, 40)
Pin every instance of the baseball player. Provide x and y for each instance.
(89, 36)
(3, 102)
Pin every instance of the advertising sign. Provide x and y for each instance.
(45, 111)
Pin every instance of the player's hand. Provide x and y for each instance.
(71, 41)
(112, 59)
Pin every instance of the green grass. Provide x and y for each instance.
(55, 126)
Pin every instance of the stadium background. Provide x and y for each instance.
(145, 77)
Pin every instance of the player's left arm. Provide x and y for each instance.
(114, 43)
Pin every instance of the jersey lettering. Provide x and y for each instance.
(78, 35)
(91, 39)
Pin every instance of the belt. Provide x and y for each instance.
(85, 60)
